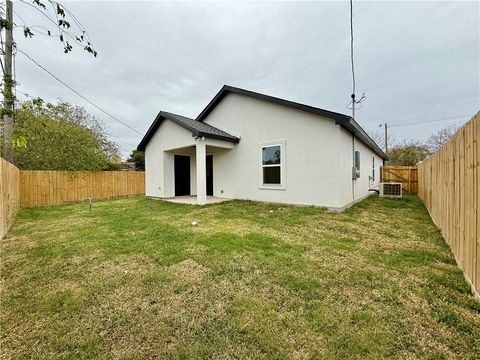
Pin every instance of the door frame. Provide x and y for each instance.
(206, 183)
(189, 171)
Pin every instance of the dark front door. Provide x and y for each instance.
(182, 175)
(210, 175)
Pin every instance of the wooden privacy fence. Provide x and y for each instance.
(56, 187)
(407, 175)
(449, 185)
(10, 193)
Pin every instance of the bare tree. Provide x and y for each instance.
(378, 135)
(437, 140)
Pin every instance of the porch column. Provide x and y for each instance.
(201, 153)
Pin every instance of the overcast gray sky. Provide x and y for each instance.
(416, 61)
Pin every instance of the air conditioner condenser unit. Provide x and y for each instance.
(390, 190)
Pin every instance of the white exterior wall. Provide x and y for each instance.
(357, 189)
(312, 171)
(363, 183)
(317, 156)
(159, 166)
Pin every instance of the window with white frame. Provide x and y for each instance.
(272, 164)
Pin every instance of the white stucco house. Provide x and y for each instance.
(246, 145)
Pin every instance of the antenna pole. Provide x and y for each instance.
(353, 106)
(353, 66)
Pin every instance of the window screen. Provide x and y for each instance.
(271, 164)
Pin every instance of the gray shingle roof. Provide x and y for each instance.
(197, 128)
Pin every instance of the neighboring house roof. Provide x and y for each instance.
(345, 121)
(197, 128)
(124, 166)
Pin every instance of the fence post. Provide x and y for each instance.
(9, 194)
(409, 180)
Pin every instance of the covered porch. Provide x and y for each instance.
(183, 157)
(189, 172)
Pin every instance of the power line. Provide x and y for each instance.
(117, 141)
(351, 47)
(124, 142)
(76, 92)
(353, 101)
(61, 30)
(29, 96)
(429, 121)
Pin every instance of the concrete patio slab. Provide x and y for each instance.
(192, 199)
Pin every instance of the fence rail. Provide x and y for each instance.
(56, 187)
(407, 175)
(10, 192)
(449, 186)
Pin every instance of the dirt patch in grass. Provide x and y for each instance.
(188, 272)
(133, 265)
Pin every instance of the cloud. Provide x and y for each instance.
(414, 60)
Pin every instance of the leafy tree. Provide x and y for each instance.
(60, 137)
(408, 153)
(138, 157)
(67, 28)
(441, 137)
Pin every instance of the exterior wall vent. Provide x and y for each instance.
(391, 190)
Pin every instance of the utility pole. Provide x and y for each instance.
(8, 84)
(386, 137)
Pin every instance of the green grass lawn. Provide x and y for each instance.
(133, 279)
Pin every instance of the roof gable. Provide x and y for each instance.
(197, 128)
(345, 121)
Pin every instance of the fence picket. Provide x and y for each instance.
(10, 194)
(449, 186)
(56, 187)
(407, 175)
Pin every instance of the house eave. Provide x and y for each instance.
(215, 137)
(350, 125)
(195, 133)
(345, 121)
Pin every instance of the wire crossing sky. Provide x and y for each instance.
(417, 62)
(77, 93)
